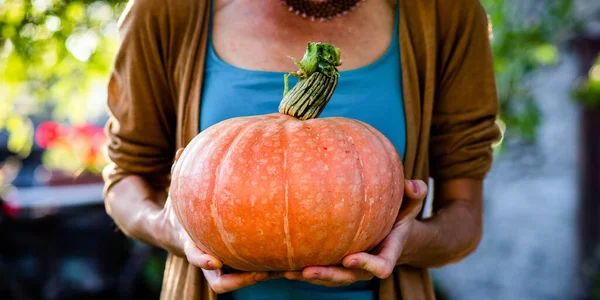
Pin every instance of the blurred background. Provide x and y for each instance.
(542, 197)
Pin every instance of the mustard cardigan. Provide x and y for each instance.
(155, 86)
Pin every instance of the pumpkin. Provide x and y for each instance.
(288, 190)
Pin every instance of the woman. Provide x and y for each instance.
(419, 71)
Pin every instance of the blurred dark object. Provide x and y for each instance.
(59, 178)
(26, 175)
(588, 49)
(589, 204)
(57, 242)
(59, 253)
(73, 253)
(69, 254)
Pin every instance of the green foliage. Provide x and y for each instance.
(520, 48)
(52, 54)
(55, 54)
(19, 141)
(587, 92)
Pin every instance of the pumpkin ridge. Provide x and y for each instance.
(322, 131)
(214, 210)
(286, 218)
(178, 169)
(364, 185)
(181, 167)
(386, 145)
(286, 222)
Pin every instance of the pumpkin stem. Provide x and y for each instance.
(318, 79)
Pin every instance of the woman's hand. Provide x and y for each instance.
(382, 261)
(218, 279)
(180, 243)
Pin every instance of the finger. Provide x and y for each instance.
(381, 265)
(229, 282)
(297, 275)
(415, 192)
(362, 275)
(199, 258)
(337, 275)
(178, 153)
(415, 189)
(293, 275)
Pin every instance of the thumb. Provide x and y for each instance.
(178, 153)
(199, 258)
(415, 189)
(415, 192)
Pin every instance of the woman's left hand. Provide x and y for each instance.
(383, 259)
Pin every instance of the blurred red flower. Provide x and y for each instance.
(73, 148)
(84, 130)
(47, 133)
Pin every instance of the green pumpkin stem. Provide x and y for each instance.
(318, 78)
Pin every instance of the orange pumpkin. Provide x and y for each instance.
(276, 192)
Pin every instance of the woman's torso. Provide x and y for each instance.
(243, 86)
(260, 35)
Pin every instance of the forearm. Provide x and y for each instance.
(137, 209)
(449, 236)
(452, 233)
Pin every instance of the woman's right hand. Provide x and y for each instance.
(179, 243)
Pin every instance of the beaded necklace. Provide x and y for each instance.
(322, 10)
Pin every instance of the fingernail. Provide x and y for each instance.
(352, 263)
(210, 264)
(414, 186)
(314, 276)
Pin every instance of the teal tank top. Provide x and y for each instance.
(372, 94)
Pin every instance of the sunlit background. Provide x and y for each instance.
(542, 198)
